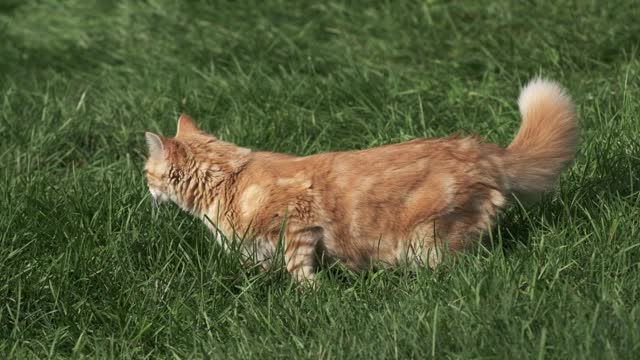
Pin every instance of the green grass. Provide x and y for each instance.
(88, 270)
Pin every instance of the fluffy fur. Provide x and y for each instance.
(400, 203)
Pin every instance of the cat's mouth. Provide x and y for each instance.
(157, 198)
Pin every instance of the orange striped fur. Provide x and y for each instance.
(394, 204)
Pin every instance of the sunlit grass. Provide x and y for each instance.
(87, 269)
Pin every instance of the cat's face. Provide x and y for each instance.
(159, 169)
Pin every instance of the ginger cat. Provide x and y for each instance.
(399, 203)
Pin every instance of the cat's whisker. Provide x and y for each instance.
(154, 203)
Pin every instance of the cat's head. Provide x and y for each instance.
(168, 162)
(179, 169)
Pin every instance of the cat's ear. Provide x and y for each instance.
(156, 145)
(186, 126)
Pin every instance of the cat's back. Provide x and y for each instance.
(400, 166)
(386, 172)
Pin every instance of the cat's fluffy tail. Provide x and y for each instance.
(546, 142)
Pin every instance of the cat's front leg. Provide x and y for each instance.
(300, 253)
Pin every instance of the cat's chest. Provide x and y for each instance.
(258, 249)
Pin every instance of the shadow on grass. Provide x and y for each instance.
(613, 179)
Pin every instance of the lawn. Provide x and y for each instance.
(87, 269)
